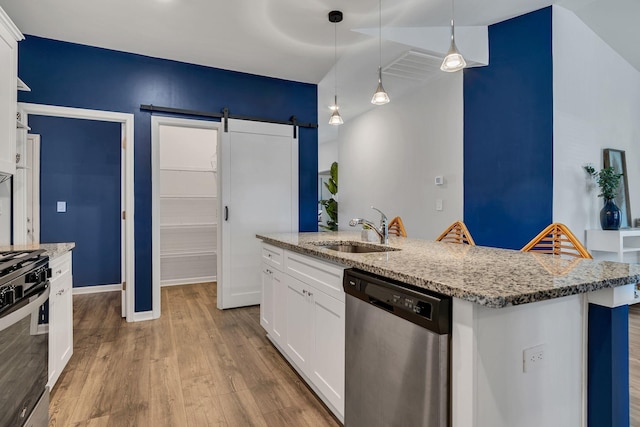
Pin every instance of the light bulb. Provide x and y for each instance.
(335, 118)
(453, 62)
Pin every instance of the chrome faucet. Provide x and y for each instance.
(383, 231)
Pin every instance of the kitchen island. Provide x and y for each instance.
(506, 303)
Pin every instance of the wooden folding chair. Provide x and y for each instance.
(557, 239)
(456, 233)
(397, 227)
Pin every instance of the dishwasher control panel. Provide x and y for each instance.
(419, 306)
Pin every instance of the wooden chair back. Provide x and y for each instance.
(456, 233)
(397, 227)
(557, 239)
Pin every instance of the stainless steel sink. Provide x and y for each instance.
(356, 248)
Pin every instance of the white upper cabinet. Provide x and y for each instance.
(9, 37)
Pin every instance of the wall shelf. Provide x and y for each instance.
(613, 244)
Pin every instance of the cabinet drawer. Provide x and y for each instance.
(60, 265)
(323, 276)
(273, 256)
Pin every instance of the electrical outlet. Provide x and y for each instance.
(533, 358)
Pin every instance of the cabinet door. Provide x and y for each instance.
(279, 323)
(60, 326)
(327, 363)
(266, 303)
(8, 95)
(54, 324)
(298, 324)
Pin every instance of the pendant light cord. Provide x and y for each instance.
(380, 41)
(452, 19)
(335, 63)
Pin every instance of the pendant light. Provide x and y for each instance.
(380, 97)
(335, 16)
(453, 61)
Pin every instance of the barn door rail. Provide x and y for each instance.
(225, 115)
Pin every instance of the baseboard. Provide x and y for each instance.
(143, 316)
(191, 281)
(97, 289)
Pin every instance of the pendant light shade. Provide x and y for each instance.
(335, 118)
(335, 16)
(380, 97)
(453, 61)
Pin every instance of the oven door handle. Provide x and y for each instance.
(15, 316)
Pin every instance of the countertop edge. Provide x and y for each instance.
(477, 298)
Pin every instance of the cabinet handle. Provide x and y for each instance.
(226, 213)
(310, 294)
(59, 272)
(304, 292)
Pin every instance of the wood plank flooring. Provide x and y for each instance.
(195, 366)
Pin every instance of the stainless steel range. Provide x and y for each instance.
(24, 345)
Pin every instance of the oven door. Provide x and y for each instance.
(24, 355)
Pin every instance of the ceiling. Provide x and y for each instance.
(292, 39)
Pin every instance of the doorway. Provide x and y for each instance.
(126, 196)
(184, 203)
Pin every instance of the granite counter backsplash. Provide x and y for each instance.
(488, 276)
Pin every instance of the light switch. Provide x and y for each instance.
(439, 180)
(61, 207)
(438, 204)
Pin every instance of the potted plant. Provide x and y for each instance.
(608, 180)
(331, 204)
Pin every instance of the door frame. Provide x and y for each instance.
(156, 122)
(127, 228)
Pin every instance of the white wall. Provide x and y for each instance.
(327, 154)
(5, 212)
(596, 105)
(390, 156)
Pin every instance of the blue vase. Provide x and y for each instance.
(610, 216)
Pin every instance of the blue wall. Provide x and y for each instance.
(508, 134)
(82, 167)
(68, 74)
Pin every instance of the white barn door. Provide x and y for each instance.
(258, 168)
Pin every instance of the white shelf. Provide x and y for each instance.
(22, 86)
(189, 226)
(180, 197)
(184, 169)
(188, 254)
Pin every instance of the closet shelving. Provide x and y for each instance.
(188, 217)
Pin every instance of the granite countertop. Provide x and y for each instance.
(487, 276)
(52, 249)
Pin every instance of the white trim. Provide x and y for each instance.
(192, 281)
(143, 316)
(97, 289)
(156, 122)
(126, 120)
(35, 185)
(15, 32)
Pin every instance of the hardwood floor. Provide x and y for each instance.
(634, 363)
(195, 366)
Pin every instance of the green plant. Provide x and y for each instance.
(608, 180)
(331, 204)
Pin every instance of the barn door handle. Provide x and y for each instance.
(226, 213)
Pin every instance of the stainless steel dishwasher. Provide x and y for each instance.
(397, 345)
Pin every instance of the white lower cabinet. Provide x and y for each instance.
(60, 316)
(305, 319)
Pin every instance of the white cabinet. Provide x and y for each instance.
(299, 323)
(303, 313)
(614, 244)
(9, 37)
(327, 352)
(60, 316)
